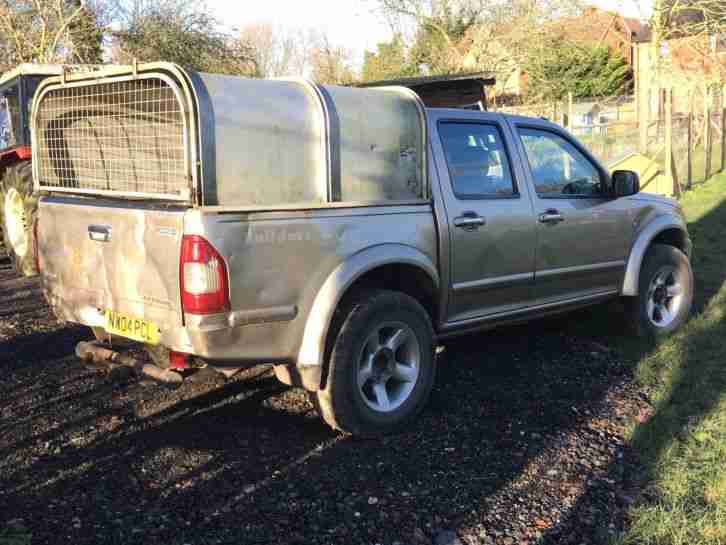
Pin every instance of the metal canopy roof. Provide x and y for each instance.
(462, 90)
(484, 78)
(32, 69)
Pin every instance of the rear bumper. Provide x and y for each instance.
(232, 339)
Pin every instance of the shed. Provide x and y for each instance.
(466, 90)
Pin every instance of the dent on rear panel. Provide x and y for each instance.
(157, 288)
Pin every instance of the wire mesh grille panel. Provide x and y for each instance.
(125, 136)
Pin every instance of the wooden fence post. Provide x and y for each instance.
(570, 111)
(638, 92)
(643, 122)
(689, 183)
(668, 111)
(707, 135)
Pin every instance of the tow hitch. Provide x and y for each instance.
(93, 352)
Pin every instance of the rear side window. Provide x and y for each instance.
(477, 160)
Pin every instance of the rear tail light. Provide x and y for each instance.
(203, 277)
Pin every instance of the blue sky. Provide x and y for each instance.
(350, 23)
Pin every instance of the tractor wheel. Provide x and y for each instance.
(18, 210)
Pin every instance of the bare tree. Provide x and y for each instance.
(48, 31)
(330, 64)
(277, 50)
(682, 29)
(282, 51)
(456, 35)
(512, 32)
(435, 26)
(180, 31)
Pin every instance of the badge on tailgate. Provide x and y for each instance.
(132, 328)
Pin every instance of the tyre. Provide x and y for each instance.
(665, 293)
(19, 207)
(382, 365)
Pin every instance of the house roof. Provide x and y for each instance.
(592, 17)
(636, 26)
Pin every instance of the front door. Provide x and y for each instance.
(492, 232)
(583, 233)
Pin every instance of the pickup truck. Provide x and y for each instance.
(339, 234)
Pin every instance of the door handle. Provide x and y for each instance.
(469, 221)
(99, 233)
(551, 216)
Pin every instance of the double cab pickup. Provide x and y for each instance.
(339, 234)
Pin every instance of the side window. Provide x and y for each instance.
(9, 117)
(477, 160)
(558, 168)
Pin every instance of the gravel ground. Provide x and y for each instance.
(522, 443)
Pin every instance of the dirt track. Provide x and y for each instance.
(522, 443)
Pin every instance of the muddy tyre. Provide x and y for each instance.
(18, 210)
(665, 293)
(382, 365)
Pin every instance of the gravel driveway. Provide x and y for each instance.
(521, 443)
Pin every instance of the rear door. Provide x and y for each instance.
(583, 233)
(100, 255)
(489, 212)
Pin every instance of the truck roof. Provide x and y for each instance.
(505, 115)
(27, 69)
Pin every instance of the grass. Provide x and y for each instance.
(699, 163)
(17, 536)
(683, 445)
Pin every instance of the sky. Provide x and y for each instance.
(349, 23)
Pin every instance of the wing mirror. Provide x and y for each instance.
(625, 183)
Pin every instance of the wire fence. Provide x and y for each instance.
(614, 129)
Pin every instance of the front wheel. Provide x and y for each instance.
(382, 365)
(665, 293)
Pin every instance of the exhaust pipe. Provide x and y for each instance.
(94, 353)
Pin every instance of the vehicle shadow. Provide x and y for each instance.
(698, 385)
(250, 461)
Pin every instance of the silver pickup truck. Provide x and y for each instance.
(337, 233)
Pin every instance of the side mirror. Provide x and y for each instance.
(625, 183)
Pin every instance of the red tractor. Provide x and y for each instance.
(17, 202)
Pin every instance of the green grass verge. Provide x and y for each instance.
(16, 536)
(683, 445)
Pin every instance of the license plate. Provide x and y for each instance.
(132, 328)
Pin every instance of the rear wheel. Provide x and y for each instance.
(19, 208)
(665, 293)
(382, 365)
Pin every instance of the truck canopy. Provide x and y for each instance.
(157, 131)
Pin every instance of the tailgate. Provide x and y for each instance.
(106, 255)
